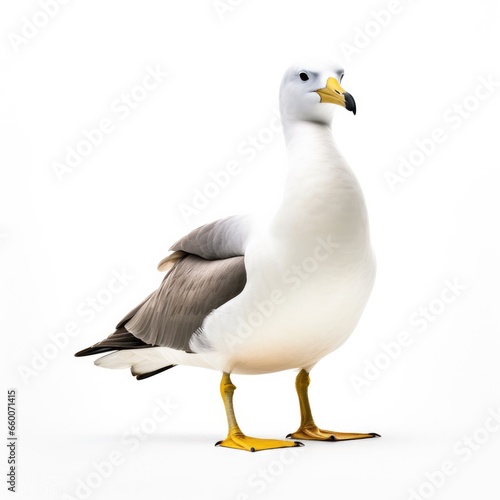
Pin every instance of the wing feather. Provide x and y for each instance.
(218, 240)
(205, 270)
(188, 293)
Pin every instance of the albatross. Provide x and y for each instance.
(248, 295)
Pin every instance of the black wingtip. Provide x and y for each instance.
(375, 435)
(84, 352)
(92, 350)
(143, 376)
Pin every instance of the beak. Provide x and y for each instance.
(333, 93)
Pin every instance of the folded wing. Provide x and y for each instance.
(206, 270)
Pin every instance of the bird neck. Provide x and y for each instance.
(315, 165)
(322, 194)
(308, 141)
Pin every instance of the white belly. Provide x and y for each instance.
(280, 323)
(310, 271)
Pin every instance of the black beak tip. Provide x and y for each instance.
(350, 103)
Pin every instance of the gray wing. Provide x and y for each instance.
(120, 339)
(206, 270)
(219, 240)
(189, 292)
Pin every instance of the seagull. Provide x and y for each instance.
(257, 295)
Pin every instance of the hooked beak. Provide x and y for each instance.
(333, 93)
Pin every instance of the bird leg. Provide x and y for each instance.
(236, 438)
(308, 428)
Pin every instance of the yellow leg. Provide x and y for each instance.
(236, 438)
(308, 429)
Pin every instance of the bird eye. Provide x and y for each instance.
(304, 76)
(341, 76)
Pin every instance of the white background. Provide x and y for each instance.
(119, 209)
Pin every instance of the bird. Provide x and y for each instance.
(257, 295)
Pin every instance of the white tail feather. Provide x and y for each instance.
(149, 359)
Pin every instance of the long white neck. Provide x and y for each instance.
(308, 138)
(322, 196)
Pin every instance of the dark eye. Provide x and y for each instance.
(304, 76)
(341, 76)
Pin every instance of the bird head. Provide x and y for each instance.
(309, 93)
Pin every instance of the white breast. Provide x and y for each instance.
(293, 318)
(310, 269)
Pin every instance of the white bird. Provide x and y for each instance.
(250, 296)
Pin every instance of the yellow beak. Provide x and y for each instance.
(333, 93)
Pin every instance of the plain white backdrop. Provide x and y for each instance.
(424, 145)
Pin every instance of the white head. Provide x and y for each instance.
(309, 91)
